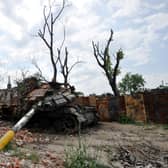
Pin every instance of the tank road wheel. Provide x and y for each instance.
(70, 124)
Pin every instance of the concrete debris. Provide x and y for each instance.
(16, 157)
(51, 161)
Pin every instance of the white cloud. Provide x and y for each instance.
(155, 80)
(129, 36)
(136, 43)
(10, 27)
(157, 21)
(137, 25)
(125, 8)
(165, 38)
(30, 11)
(154, 6)
(140, 55)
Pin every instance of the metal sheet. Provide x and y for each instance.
(156, 105)
(135, 108)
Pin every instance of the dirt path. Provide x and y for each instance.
(113, 144)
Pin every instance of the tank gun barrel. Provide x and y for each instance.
(23, 121)
(20, 124)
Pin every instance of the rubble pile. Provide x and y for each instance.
(17, 157)
(8, 162)
(51, 160)
(24, 136)
(140, 156)
(47, 161)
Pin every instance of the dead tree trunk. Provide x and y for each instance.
(104, 60)
(47, 36)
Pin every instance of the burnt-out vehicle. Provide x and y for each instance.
(58, 108)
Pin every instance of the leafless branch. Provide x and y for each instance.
(97, 54)
(46, 20)
(63, 41)
(40, 34)
(65, 69)
(106, 50)
(60, 12)
(34, 62)
(77, 62)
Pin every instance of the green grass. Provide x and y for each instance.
(79, 157)
(165, 126)
(123, 119)
(33, 157)
(19, 153)
(9, 147)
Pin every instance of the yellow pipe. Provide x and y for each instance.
(6, 139)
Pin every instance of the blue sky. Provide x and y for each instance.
(140, 29)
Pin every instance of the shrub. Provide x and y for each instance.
(79, 157)
(123, 119)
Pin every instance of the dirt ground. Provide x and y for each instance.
(113, 144)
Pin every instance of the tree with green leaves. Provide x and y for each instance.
(131, 83)
(104, 60)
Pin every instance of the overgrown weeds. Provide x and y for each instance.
(80, 157)
(165, 126)
(123, 119)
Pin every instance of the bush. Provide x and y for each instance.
(77, 157)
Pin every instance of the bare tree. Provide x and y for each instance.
(63, 60)
(104, 60)
(65, 69)
(47, 35)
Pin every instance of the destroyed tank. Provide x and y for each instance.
(58, 106)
